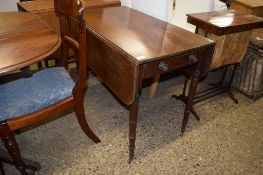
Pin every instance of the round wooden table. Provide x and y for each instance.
(25, 39)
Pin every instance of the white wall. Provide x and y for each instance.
(155, 8)
(184, 7)
(126, 3)
(163, 9)
(189, 6)
(8, 5)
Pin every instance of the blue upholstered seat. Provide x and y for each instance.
(27, 95)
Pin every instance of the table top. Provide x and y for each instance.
(37, 5)
(24, 40)
(140, 36)
(250, 3)
(225, 22)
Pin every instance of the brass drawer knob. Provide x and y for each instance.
(163, 66)
(192, 58)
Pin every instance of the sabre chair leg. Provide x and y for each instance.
(132, 128)
(190, 99)
(79, 110)
(11, 145)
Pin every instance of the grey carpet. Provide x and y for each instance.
(227, 140)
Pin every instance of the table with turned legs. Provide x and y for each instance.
(126, 46)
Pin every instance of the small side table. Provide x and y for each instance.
(253, 7)
(231, 31)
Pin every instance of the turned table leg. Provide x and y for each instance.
(132, 127)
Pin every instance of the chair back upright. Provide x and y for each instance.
(73, 36)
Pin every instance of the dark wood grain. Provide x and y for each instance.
(126, 27)
(113, 66)
(119, 42)
(126, 46)
(225, 22)
(45, 9)
(21, 40)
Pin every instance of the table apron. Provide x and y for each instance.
(123, 76)
(172, 63)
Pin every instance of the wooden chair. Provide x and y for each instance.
(31, 100)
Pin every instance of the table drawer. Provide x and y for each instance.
(169, 64)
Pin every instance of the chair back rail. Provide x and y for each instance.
(73, 35)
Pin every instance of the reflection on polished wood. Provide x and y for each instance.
(225, 22)
(21, 40)
(39, 5)
(45, 9)
(124, 29)
(126, 46)
(231, 31)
